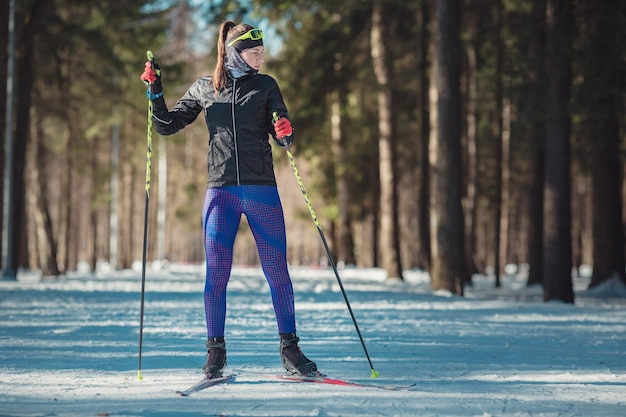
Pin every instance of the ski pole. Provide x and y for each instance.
(145, 217)
(296, 172)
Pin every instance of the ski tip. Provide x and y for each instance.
(374, 373)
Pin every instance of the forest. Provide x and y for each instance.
(452, 136)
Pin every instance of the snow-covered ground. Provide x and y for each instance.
(68, 347)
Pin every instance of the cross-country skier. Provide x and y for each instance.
(238, 103)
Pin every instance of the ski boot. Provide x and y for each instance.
(216, 357)
(292, 357)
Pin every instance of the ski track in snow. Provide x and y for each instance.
(68, 347)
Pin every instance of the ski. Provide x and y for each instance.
(205, 383)
(316, 378)
(323, 379)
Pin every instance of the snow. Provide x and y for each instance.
(69, 345)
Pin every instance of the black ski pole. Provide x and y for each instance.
(323, 237)
(145, 218)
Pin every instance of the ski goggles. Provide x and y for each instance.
(253, 35)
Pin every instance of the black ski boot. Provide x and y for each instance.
(216, 358)
(292, 357)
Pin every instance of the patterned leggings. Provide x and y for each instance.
(223, 208)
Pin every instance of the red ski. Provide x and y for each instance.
(323, 379)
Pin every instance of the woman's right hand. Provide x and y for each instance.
(152, 76)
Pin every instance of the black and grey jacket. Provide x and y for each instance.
(239, 119)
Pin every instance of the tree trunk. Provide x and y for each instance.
(389, 224)
(535, 114)
(26, 77)
(46, 240)
(603, 132)
(557, 211)
(496, 130)
(93, 207)
(447, 231)
(424, 174)
(506, 199)
(345, 249)
(128, 196)
(4, 41)
(472, 162)
(374, 202)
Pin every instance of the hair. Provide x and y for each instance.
(228, 30)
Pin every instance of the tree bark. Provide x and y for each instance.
(535, 114)
(345, 239)
(471, 119)
(46, 239)
(447, 231)
(557, 198)
(26, 45)
(389, 223)
(603, 133)
(424, 171)
(4, 40)
(496, 129)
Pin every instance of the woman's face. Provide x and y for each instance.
(253, 56)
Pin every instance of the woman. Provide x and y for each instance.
(238, 104)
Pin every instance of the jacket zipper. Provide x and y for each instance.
(235, 131)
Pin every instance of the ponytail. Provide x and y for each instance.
(219, 74)
(227, 28)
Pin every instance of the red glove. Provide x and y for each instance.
(283, 128)
(151, 75)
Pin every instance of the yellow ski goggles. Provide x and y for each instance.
(253, 34)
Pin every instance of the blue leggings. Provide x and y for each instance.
(223, 208)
